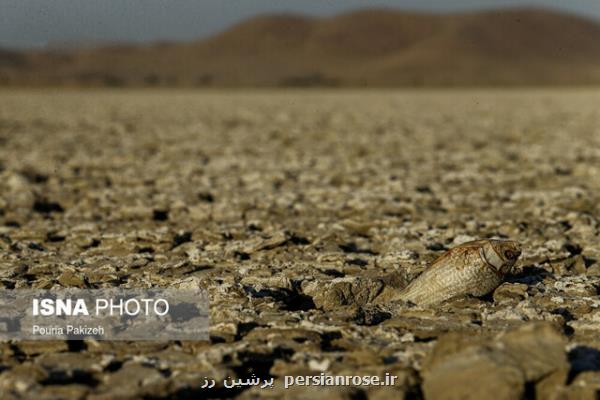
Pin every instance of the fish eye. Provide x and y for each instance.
(511, 255)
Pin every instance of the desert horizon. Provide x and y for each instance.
(363, 48)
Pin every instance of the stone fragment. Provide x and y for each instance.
(33, 348)
(537, 348)
(276, 240)
(460, 368)
(510, 293)
(130, 381)
(477, 372)
(72, 279)
(343, 292)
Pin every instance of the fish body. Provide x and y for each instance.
(474, 268)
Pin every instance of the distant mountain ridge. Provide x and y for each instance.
(373, 47)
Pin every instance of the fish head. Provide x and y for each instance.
(501, 254)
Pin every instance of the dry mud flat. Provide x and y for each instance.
(303, 213)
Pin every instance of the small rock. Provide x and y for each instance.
(278, 239)
(538, 349)
(72, 279)
(343, 292)
(131, 381)
(510, 293)
(463, 368)
(593, 270)
(475, 373)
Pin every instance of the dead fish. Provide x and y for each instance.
(473, 268)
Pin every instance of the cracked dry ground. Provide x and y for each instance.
(303, 213)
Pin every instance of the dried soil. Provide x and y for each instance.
(303, 213)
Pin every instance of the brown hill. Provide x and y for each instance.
(363, 48)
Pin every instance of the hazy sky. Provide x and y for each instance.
(39, 23)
